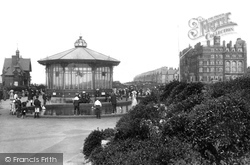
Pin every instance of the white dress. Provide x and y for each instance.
(134, 101)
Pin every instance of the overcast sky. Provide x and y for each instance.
(143, 34)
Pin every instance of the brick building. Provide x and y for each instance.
(16, 71)
(210, 63)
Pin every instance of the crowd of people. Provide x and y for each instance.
(18, 105)
(99, 97)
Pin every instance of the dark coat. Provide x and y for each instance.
(113, 99)
(37, 103)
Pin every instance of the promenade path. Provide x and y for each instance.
(48, 135)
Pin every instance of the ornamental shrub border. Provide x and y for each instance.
(210, 121)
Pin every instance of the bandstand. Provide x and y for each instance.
(78, 69)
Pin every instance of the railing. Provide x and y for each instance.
(84, 108)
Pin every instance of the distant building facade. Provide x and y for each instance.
(210, 63)
(162, 75)
(16, 71)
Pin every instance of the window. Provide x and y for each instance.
(227, 77)
(200, 69)
(212, 62)
(227, 56)
(234, 56)
(212, 50)
(211, 69)
(221, 56)
(234, 67)
(239, 49)
(234, 63)
(204, 62)
(78, 76)
(212, 55)
(240, 55)
(219, 62)
(233, 49)
(211, 78)
(102, 77)
(200, 62)
(240, 67)
(228, 65)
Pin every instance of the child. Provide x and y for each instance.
(24, 109)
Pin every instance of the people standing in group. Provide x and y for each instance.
(98, 106)
(76, 104)
(37, 104)
(113, 100)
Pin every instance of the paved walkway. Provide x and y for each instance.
(48, 135)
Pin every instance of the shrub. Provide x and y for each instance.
(197, 127)
(91, 142)
(129, 125)
(168, 89)
(173, 97)
(147, 152)
(219, 128)
(108, 133)
(149, 99)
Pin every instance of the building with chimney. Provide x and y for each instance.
(211, 63)
(16, 71)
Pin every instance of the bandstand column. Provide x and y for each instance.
(111, 77)
(93, 77)
(63, 67)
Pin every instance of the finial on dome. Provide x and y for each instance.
(80, 43)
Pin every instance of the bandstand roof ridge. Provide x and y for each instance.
(79, 54)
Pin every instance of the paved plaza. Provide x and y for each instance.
(48, 135)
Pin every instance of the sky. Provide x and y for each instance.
(143, 34)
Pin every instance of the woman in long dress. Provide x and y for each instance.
(134, 101)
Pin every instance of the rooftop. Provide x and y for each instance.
(79, 53)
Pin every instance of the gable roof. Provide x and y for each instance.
(23, 64)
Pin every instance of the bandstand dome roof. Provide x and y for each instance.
(79, 54)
